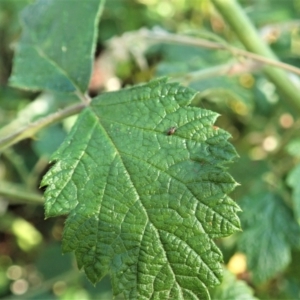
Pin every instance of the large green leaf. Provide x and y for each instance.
(57, 46)
(270, 232)
(144, 201)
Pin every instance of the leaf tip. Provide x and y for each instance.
(236, 184)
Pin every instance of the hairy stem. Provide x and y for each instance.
(18, 193)
(248, 35)
(34, 127)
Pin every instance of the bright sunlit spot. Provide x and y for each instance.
(14, 272)
(19, 287)
(270, 143)
(237, 263)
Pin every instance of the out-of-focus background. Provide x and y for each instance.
(264, 129)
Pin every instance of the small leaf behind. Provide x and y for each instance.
(270, 232)
(232, 289)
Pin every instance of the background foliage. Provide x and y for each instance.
(264, 129)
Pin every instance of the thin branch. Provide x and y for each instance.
(268, 61)
(166, 37)
(84, 98)
(33, 128)
(35, 174)
(17, 162)
(19, 194)
(231, 68)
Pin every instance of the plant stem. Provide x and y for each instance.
(18, 163)
(165, 37)
(35, 174)
(248, 35)
(19, 193)
(203, 74)
(230, 69)
(34, 127)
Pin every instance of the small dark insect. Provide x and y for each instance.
(171, 130)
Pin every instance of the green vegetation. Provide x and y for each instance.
(160, 139)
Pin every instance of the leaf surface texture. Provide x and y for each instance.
(144, 204)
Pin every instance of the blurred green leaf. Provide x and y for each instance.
(269, 11)
(269, 234)
(293, 180)
(49, 140)
(290, 286)
(232, 289)
(62, 59)
(293, 147)
(52, 263)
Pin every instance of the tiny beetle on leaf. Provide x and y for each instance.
(171, 130)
